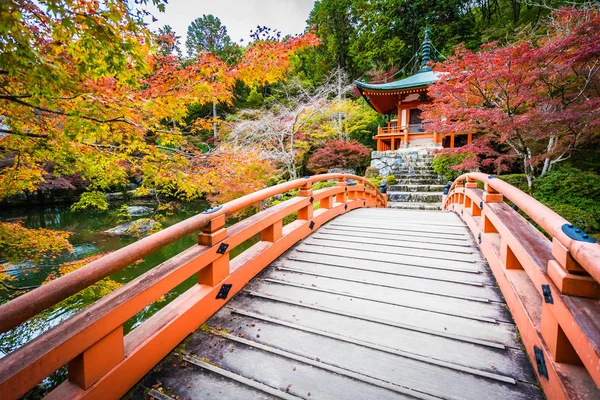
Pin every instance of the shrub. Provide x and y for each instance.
(570, 186)
(255, 99)
(339, 154)
(391, 179)
(581, 218)
(517, 180)
(323, 184)
(443, 163)
(376, 180)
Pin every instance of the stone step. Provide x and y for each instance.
(418, 170)
(404, 167)
(415, 197)
(415, 206)
(416, 188)
(420, 181)
(416, 176)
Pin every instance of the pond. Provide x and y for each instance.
(88, 239)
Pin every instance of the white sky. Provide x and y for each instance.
(239, 16)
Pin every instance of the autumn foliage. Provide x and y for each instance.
(540, 98)
(339, 154)
(87, 88)
(83, 85)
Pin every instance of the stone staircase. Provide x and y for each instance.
(418, 187)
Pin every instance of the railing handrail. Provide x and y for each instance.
(30, 304)
(587, 254)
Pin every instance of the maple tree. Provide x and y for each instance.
(85, 86)
(541, 98)
(340, 154)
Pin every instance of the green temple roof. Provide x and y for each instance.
(423, 78)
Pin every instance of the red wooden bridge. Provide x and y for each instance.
(351, 300)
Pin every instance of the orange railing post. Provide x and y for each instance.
(568, 275)
(341, 197)
(213, 233)
(306, 213)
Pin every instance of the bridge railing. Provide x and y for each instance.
(550, 285)
(105, 363)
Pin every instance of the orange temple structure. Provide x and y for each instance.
(401, 101)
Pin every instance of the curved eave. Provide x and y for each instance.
(388, 92)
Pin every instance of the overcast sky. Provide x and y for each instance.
(239, 16)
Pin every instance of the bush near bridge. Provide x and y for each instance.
(445, 164)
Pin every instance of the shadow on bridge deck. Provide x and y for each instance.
(376, 304)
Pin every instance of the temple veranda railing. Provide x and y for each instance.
(550, 285)
(104, 363)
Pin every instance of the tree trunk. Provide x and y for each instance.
(215, 133)
(339, 97)
(547, 164)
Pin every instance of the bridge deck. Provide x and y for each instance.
(376, 304)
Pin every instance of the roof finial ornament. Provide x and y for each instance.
(426, 52)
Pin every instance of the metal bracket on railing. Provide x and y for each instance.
(311, 199)
(222, 248)
(481, 205)
(492, 177)
(576, 233)
(547, 294)
(479, 237)
(212, 210)
(311, 225)
(345, 206)
(383, 188)
(514, 207)
(540, 361)
(224, 291)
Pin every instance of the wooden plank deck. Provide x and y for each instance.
(376, 304)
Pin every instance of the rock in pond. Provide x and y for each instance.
(138, 211)
(140, 227)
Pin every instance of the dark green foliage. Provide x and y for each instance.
(206, 33)
(442, 164)
(581, 218)
(571, 193)
(517, 180)
(255, 99)
(570, 186)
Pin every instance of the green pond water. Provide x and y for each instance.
(88, 239)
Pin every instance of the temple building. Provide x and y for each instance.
(401, 101)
